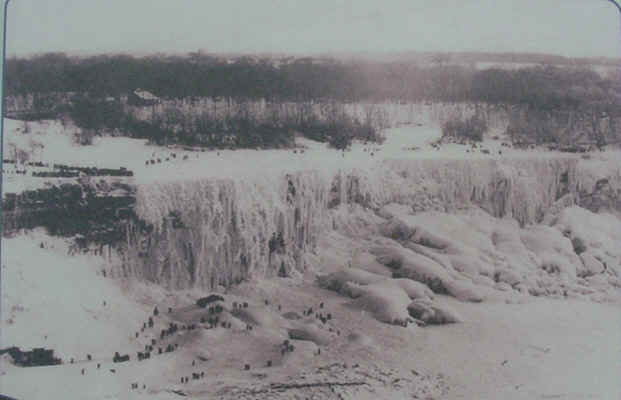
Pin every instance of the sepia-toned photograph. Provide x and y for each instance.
(296, 200)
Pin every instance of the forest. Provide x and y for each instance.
(539, 91)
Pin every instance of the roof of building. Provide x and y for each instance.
(145, 95)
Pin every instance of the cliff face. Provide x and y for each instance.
(209, 232)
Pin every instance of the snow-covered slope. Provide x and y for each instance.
(62, 298)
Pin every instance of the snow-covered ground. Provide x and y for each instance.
(507, 347)
(404, 142)
(63, 296)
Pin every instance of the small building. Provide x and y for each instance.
(142, 98)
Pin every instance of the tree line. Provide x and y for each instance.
(541, 92)
(306, 79)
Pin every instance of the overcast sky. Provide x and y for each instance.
(567, 27)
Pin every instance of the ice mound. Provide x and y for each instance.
(366, 261)
(460, 254)
(470, 265)
(591, 265)
(263, 318)
(336, 280)
(473, 256)
(430, 272)
(386, 303)
(370, 290)
(309, 331)
(464, 290)
(407, 264)
(599, 236)
(415, 290)
(433, 314)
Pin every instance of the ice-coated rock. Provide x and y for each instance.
(464, 290)
(508, 276)
(415, 290)
(592, 266)
(387, 303)
(421, 311)
(445, 315)
(407, 264)
(433, 314)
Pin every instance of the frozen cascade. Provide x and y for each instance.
(208, 232)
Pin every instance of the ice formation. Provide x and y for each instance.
(209, 232)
